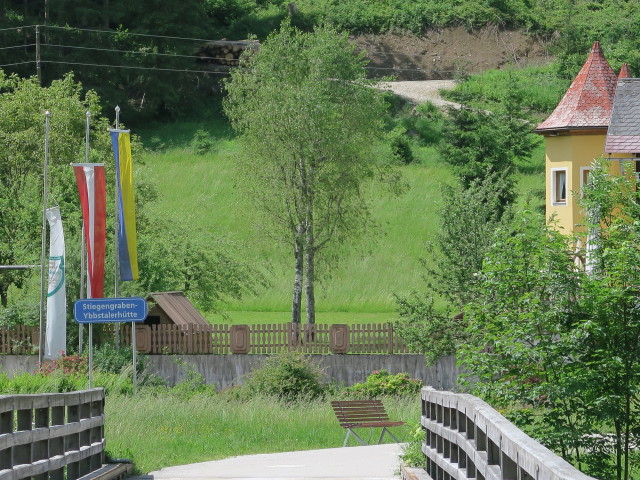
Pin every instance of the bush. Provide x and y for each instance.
(381, 383)
(201, 142)
(412, 455)
(287, 375)
(66, 364)
(109, 359)
(400, 146)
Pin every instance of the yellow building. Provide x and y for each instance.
(575, 134)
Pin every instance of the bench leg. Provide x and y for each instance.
(351, 432)
(384, 429)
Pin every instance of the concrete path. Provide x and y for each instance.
(376, 462)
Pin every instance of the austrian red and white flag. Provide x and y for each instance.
(93, 200)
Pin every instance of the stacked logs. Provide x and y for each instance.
(223, 52)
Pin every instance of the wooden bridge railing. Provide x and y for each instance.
(54, 436)
(466, 438)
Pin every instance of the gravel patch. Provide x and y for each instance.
(421, 91)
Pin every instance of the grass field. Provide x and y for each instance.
(159, 431)
(361, 288)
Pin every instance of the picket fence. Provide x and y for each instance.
(224, 339)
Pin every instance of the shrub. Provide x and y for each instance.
(66, 364)
(412, 455)
(381, 383)
(400, 146)
(287, 375)
(201, 142)
(109, 359)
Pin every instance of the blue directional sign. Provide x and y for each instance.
(107, 310)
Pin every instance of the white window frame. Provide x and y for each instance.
(554, 189)
(582, 175)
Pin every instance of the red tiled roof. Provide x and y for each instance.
(587, 103)
(624, 72)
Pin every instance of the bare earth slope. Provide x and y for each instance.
(450, 53)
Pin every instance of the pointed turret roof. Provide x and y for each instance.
(624, 72)
(588, 102)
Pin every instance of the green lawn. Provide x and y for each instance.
(160, 431)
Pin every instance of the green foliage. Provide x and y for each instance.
(382, 383)
(468, 222)
(400, 146)
(425, 330)
(202, 142)
(108, 359)
(307, 121)
(478, 143)
(287, 375)
(538, 88)
(412, 454)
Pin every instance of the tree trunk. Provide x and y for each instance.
(296, 307)
(310, 270)
(3, 296)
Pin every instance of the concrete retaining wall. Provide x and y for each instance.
(228, 370)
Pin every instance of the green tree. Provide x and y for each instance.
(22, 106)
(611, 336)
(307, 119)
(519, 343)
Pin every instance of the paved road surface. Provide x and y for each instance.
(422, 90)
(376, 462)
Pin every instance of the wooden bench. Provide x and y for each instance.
(363, 414)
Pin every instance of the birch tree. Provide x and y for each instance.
(307, 120)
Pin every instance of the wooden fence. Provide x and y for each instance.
(239, 339)
(51, 436)
(266, 339)
(19, 340)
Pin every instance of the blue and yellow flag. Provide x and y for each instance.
(127, 246)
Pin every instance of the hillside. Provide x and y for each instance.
(451, 53)
(362, 286)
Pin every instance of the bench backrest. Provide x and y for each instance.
(350, 412)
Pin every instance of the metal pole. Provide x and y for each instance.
(38, 65)
(82, 245)
(116, 223)
(82, 287)
(43, 269)
(90, 355)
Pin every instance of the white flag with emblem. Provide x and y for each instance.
(56, 337)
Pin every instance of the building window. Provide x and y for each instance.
(584, 178)
(559, 186)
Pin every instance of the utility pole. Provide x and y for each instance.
(38, 66)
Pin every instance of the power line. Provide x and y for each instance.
(18, 46)
(127, 51)
(128, 33)
(131, 67)
(17, 63)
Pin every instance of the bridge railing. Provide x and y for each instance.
(51, 436)
(466, 438)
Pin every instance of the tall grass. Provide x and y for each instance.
(361, 286)
(160, 431)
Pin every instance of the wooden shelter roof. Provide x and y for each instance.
(178, 308)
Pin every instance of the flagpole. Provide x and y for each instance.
(82, 245)
(116, 223)
(47, 116)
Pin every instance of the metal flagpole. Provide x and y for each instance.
(43, 269)
(86, 156)
(116, 223)
(82, 245)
